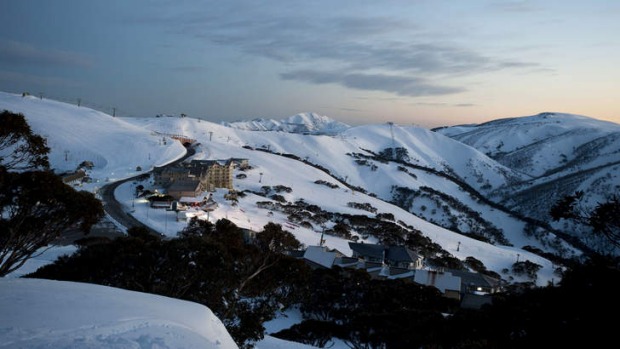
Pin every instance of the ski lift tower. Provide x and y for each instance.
(393, 142)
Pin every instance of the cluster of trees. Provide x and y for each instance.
(362, 206)
(398, 154)
(604, 219)
(391, 314)
(326, 183)
(35, 205)
(568, 315)
(243, 284)
(452, 215)
(366, 313)
(246, 284)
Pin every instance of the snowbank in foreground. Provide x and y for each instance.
(40, 313)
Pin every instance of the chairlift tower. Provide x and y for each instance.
(393, 142)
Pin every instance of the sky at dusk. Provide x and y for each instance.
(423, 62)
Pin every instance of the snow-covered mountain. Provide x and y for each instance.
(306, 123)
(437, 178)
(544, 145)
(430, 183)
(452, 186)
(559, 154)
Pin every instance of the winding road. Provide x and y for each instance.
(114, 208)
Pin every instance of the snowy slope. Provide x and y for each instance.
(427, 149)
(331, 153)
(75, 134)
(543, 143)
(61, 314)
(561, 153)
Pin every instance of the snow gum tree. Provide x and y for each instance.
(604, 219)
(35, 205)
(20, 148)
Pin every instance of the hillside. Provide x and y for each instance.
(297, 161)
(75, 134)
(569, 137)
(341, 160)
(559, 154)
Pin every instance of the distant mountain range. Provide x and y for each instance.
(305, 123)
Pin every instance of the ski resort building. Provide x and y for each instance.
(213, 173)
(197, 176)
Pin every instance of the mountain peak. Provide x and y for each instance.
(306, 123)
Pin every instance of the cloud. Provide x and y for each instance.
(369, 48)
(18, 53)
(355, 43)
(400, 85)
